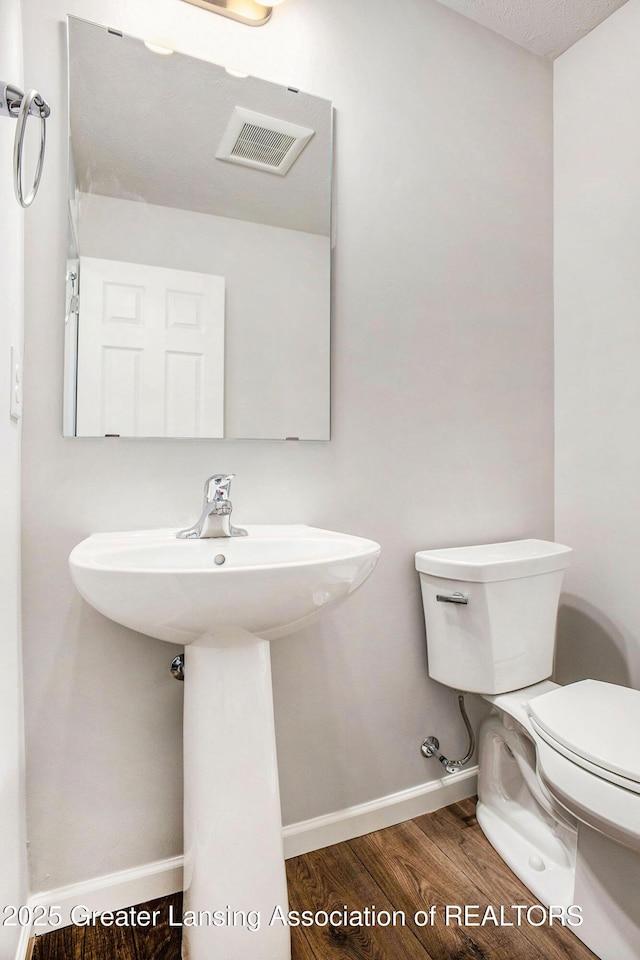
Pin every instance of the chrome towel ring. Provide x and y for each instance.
(14, 103)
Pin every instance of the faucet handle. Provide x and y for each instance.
(217, 487)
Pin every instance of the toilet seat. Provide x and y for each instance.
(595, 725)
(595, 801)
(587, 738)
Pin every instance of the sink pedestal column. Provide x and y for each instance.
(234, 861)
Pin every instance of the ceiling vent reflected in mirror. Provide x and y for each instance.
(264, 143)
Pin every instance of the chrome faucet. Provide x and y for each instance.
(215, 520)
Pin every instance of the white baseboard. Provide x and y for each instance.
(112, 892)
(126, 888)
(386, 811)
(25, 945)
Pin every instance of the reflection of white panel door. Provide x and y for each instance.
(150, 351)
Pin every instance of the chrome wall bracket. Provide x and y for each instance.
(177, 667)
(10, 100)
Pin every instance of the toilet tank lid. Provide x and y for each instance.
(597, 724)
(494, 561)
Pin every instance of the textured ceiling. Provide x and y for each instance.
(146, 127)
(546, 27)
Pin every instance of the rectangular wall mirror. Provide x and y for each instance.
(199, 251)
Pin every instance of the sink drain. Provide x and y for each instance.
(219, 559)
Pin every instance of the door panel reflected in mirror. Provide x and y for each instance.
(198, 286)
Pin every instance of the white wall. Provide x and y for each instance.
(276, 367)
(442, 420)
(13, 871)
(597, 270)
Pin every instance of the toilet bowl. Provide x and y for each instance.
(559, 767)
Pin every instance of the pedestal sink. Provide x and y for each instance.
(226, 598)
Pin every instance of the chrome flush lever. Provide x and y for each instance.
(456, 597)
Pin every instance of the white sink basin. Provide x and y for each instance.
(264, 585)
(270, 583)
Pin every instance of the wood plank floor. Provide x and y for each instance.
(436, 860)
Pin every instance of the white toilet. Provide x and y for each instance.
(559, 767)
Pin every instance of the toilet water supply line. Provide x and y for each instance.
(431, 746)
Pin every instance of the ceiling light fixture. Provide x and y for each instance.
(158, 48)
(244, 11)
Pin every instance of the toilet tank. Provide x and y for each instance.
(490, 613)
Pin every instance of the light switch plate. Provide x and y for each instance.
(15, 404)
